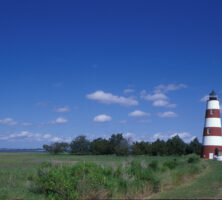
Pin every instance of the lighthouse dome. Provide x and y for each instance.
(213, 96)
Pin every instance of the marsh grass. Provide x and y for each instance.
(18, 172)
(84, 178)
(132, 179)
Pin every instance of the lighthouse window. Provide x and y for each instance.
(211, 111)
(208, 131)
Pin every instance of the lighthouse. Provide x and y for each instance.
(212, 137)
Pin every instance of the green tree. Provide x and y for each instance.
(100, 146)
(195, 147)
(122, 149)
(141, 148)
(47, 148)
(118, 144)
(158, 148)
(80, 145)
(114, 141)
(176, 146)
(57, 147)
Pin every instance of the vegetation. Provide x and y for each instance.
(120, 146)
(134, 179)
(57, 147)
(172, 176)
(206, 186)
(92, 181)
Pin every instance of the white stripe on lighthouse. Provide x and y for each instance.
(212, 141)
(213, 104)
(213, 122)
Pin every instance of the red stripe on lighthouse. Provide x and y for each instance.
(213, 131)
(212, 113)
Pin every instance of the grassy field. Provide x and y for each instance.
(206, 186)
(16, 169)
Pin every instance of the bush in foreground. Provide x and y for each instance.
(171, 164)
(86, 180)
(193, 158)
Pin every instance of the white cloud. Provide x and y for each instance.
(8, 121)
(138, 113)
(170, 87)
(108, 98)
(11, 122)
(56, 139)
(47, 136)
(128, 135)
(160, 103)
(185, 136)
(159, 97)
(132, 137)
(156, 96)
(163, 103)
(160, 136)
(102, 118)
(127, 91)
(59, 120)
(62, 109)
(205, 98)
(26, 135)
(22, 134)
(60, 139)
(168, 114)
(181, 135)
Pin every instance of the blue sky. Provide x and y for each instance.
(102, 67)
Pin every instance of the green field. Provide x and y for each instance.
(16, 170)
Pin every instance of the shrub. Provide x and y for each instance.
(171, 164)
(135, 168)
(118, 172)
(179, 175)
(164, 168)
(68, 182)
(87, 180)
(195, 169)
(154, 165)
(144, 174)
(193, 158)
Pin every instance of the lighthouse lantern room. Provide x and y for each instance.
(212, 138)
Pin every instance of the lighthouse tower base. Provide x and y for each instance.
(209, 152)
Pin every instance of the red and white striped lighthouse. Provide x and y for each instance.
(212, 138)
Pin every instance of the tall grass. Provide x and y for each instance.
(19, 171)
(85, 178)
(134, 179)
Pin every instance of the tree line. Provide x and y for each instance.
(121, 146)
